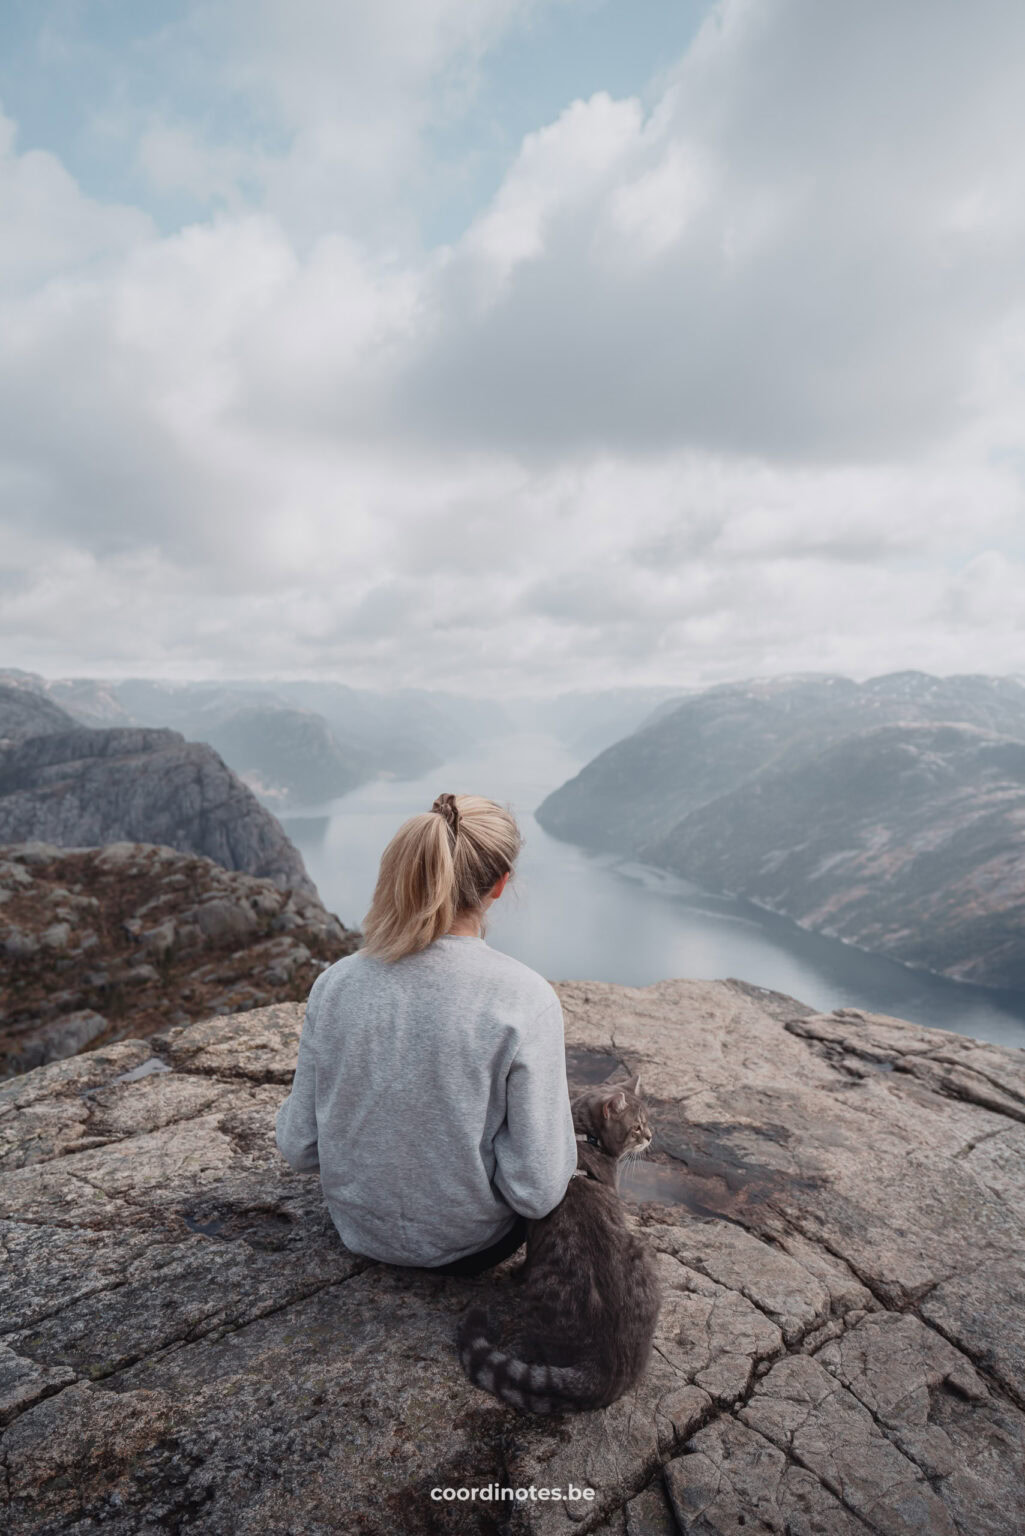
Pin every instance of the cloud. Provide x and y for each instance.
(318, 113)
(174, 157)
(48, 224)
(798, 251)
(721, 381)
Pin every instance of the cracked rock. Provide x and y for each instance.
(186, 1344)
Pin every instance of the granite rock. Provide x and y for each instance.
(186, 1344)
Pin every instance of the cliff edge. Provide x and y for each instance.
(87, 788)
(838, 1207)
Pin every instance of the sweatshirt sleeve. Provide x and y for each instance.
(296, 1124)
(536, 1149)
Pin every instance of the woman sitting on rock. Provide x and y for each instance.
(430, 1089)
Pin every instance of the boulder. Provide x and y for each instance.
(837, 1206)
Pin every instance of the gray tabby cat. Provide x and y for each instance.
(591, 1290)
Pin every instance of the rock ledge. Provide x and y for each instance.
(837, 1203)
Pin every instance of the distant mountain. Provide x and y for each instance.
(666, 708)
(90, 701)
(713, 742)
(406, 732)
(102, 944)
(287, 756)
(277, 740)
(85, 700)
(587, 722)
(889, 813)
(24, 713)
(293, 742)
(84, 787)
(908, 840)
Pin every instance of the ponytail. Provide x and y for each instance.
(439, 865)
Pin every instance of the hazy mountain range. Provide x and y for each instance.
(889, 813)
(587, 722)
(292, 743)
(301, 743)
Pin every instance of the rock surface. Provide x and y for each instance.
(837, 1203)
(97, 944)
(84, 788)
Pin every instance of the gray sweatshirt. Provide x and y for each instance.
(431, 1094)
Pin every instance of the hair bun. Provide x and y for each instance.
(445, 805)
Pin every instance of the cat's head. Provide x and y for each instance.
(615, 1114)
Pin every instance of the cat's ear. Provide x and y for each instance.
(634, 1085)
(614, 1105)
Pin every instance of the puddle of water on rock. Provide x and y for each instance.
(670, 1183)
(147, 1069)
(207, 1228)
(258, 1228)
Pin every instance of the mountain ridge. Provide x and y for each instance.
(703, 791)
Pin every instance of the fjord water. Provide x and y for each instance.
(576, 915)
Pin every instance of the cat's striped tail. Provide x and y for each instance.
(531, 1385)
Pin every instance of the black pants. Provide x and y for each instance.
(486, 1258)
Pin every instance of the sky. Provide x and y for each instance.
(512, 346)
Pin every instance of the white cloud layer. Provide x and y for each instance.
(727, 381)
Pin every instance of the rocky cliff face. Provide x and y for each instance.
(102, 943)
(84, 787)
(838, 1209)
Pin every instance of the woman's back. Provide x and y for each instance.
(431, 1091)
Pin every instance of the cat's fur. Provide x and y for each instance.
(591, 1293)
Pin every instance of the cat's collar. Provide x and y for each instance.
(589, 1137)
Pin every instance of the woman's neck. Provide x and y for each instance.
(465, 927)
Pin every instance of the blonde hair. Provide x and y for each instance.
(440, 863)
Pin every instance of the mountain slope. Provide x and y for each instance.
(287, 756)
(24, 713)
(907, 840)
(711, 744)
